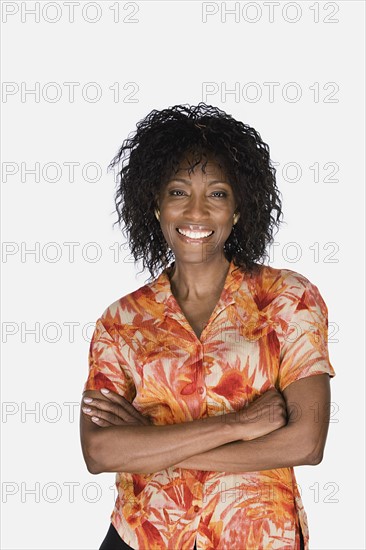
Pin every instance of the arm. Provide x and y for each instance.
(114, 446)
(304, 353)
(144, 449)
(137, 448)
(300, 442)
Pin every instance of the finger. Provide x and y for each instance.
(120, 400)
(100, 422)
(104, 405)
(104, 415)
(94, 416)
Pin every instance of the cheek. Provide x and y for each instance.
(223, 232)
(169, 232)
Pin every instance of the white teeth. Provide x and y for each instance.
(195, 234)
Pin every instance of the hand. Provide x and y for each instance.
(264, 415)
(115, 411)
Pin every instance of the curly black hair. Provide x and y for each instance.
(151, 154)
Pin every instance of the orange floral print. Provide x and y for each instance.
(267, 330)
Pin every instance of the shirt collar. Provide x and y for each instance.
(252, 318)
(163, 292)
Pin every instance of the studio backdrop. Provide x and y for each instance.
(76, 78)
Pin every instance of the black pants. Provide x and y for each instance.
(113, 541)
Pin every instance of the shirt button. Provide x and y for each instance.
(196, 508)
(201, 390)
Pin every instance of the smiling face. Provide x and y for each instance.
(201, 204)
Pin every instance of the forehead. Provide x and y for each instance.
(205, 168)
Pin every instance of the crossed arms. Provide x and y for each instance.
(275, 431)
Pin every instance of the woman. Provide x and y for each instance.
(202, 387)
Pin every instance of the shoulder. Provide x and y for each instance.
(280, 292)
(131, 308)
(278, 281)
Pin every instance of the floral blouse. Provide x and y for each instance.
(267, 330)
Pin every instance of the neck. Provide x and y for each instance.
(193, 282)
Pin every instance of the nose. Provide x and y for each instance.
(197, 208)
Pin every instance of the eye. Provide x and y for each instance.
(221, 193)
(179, 193)
(175, 191)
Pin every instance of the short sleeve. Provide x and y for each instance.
(304, 351)
(107, 366)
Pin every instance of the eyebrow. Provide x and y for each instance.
(188, 182)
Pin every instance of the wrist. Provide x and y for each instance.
(243, 428)
(226, 425)
(235, 426)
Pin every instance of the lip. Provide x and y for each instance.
(194, 227)
(194, 241)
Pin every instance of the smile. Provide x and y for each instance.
(195, 235)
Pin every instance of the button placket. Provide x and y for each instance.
(200, 381)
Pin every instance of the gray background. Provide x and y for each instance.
(159, 54)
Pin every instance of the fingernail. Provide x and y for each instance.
(87, 400)
(86, 409)
(104, 390)
(95, 418)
